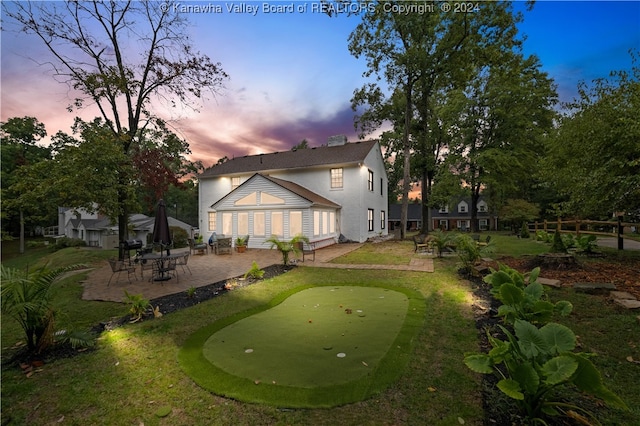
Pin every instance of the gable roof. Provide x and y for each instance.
(300, 191)
(352, 152)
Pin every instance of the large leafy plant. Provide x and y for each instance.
(523, 297)
(28, 298)
(534, 362)
(287, 247)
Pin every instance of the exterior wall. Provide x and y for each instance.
(354, 197)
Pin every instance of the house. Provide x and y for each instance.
(456, 215)
(322, 193)
(98, 231)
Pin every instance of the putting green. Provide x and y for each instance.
(312, 347)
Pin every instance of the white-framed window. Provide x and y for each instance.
(370, 219)
(463, 224)
(258, 224)
(316, 223)
(336, 178)
(482, 207)
(243, 223)
(332, 222)
(463, 207)
(235, 182)
(227, 224)
(370, 181)
(383, 219)
(444, 209)
(443, 224)
(277, 224)
(295, 223)
(212, 221)
(483, 224)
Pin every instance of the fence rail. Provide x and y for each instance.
(617, 228)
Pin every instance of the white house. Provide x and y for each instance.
(322, 193)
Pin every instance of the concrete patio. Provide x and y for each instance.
(211, 268)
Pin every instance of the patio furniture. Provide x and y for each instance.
(182, 261)
(164, 268)
(307, 249)
(422, 243)
(224, 246)
(213, 242)
(485, 243)
(145, 264)
(201, 248)
(118, 266)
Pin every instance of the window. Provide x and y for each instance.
(444, 224)
(482, 207)
(295, 223)
(212, 221)
(370, 219)
(336, 178)
(463, 225)
(235, 182)
(444, 209)
(332, 222)
(277, 227)
(463, 207)
(227, 224)
(258, 224)
(370, 181)
(325, 222)
(243, 223)
(381, 186)
(383, 219)
(484, 224)
(316, 223)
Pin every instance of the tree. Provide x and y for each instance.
(19, 149)
(509, 112)
(304, 144)
(594, 159)
(91, 44)
(518, 212)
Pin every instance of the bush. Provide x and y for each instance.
(180, 237)
(65, 242)
(524, 231)
(587, 243)
(557, 245)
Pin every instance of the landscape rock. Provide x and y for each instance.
(594, 288)
(628, 304)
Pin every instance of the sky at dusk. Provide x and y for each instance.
(292, 77)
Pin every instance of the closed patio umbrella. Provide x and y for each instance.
(161, 233)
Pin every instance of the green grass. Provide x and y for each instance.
(135, 371)
(308, 329)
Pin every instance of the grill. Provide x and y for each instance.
(131, 244)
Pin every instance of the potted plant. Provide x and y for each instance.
(241, 244)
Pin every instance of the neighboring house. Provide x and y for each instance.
(99, 231)
(457, 215)
(321, 193)
(454, 216)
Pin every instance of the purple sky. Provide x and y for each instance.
(292, 76)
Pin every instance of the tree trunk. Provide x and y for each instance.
(406, 175)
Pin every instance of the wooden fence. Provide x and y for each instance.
(575, 226)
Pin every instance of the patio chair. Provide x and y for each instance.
(145, 264)
(224, 246)
(118, 266)
(485, 243)
(182, 261)
(421, 243)
(201, 248)
(307, 249)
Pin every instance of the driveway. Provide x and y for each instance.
(629, 244)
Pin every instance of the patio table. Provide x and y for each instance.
(160, 271)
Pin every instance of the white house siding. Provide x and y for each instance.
(354, 197)
(255, 212)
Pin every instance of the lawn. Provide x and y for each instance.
(134, 370)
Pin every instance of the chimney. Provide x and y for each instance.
(337, 140)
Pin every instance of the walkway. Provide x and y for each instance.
(210, 268)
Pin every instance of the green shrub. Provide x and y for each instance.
(587, 243)
(557, 246)
(534, 362)
(523, 297)
(65, 242)
(568, 241)
(138, 305)
(544, 236)
(469, 251)
(255, 272)
(442, 240)
(524, 231)
(180, 237)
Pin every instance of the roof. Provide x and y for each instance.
(351, 152)
(414, 211)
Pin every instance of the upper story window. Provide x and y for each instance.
(463, 207)
(482, 207)
(381, 186)
(444, 209)
(370, 181)
(235, 182)
(336, 178)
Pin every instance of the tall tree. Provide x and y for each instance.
(120, 56)
(509, 111)
(19, 150)
(594, 160)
